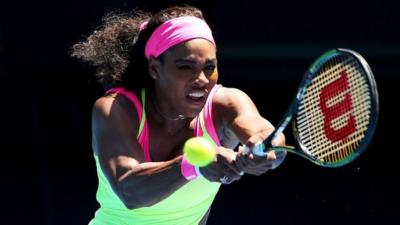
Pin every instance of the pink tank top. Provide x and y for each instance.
(204, 121)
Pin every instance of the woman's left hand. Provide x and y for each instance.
(257, 165)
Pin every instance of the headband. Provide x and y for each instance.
(176, 31)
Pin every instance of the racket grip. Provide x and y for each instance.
(258, 149)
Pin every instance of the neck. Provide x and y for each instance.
(166, 116)
(171, 123)
(162, 113)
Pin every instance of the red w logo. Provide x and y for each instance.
(334, 111)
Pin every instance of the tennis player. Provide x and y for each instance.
(160, 75)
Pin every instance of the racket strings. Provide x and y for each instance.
(310, 119)
(334, 152)
(311, 99)
(340, 152)
(337, 122)
(361, 109)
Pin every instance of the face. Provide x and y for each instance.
(185, 77)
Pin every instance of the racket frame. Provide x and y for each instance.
(262, 149)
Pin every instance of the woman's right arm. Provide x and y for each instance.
(137, 183)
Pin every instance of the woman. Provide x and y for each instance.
(161, 75)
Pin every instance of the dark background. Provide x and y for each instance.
(264, 47)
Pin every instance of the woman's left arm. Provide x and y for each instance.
(237, 112)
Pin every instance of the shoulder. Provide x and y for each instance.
(231, 104)
(114, 109)
(232, 99)
(103, 105)
(108, 105)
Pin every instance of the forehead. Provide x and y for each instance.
(193, 49)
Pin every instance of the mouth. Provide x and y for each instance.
(197, 97)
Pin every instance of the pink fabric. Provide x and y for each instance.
(188, 170)
(143, 138)
(176, 31)
(208, 119)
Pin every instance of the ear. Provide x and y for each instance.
(154, 67)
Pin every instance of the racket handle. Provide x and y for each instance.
(258, 149)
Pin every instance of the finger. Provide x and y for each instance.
(255, 139)
(240, 151)
(228, 158)
(271, 155)
(226, 154)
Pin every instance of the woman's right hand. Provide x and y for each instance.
(223, 169)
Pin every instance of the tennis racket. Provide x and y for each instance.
(334, 113)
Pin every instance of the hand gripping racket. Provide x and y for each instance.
(334, 113)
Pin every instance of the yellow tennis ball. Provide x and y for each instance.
(199, 151)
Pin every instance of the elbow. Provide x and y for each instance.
(133, 203)
(134, 198)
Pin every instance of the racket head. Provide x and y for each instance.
(336, 109)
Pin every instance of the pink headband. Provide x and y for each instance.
(176, 31)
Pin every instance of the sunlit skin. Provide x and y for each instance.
(182, 81)
(190, 67)
(214, 76)
(137, 139)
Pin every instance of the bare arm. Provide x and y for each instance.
(121, 157)
(239, 114)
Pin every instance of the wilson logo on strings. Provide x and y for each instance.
(337, 109)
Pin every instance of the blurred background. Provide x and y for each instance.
(264, 47)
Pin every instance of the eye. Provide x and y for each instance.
(184, 67)
(210, 68)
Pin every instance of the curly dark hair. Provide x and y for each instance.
(116, 48)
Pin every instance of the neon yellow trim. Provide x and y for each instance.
(142, 121)
(203, 128)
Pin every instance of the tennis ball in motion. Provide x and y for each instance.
(199, 151)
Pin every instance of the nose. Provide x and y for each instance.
(202, 79)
